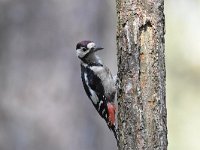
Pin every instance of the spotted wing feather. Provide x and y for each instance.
(95, 91)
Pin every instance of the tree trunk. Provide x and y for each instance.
(142, 114)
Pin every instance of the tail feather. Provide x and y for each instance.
(114, 132)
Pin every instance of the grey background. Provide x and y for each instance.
(42, 102)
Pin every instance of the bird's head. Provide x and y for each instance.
(86, 48)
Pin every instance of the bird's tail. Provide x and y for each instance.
(114, 130)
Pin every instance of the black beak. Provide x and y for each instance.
(97, 49)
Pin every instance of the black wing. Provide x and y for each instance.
(95, 87)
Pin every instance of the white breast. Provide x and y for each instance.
(107, 80)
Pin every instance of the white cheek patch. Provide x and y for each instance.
(90, 45)
(80, 53)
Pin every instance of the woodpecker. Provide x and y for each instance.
(98, 82)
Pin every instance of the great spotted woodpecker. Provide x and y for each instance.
(98, 82)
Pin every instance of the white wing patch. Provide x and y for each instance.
(93, 94)
(97, 69)
(106, 78)
(100, 103)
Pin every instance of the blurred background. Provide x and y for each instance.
(42, 102)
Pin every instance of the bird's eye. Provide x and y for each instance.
(84, 49)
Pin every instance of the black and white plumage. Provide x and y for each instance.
(97, 81)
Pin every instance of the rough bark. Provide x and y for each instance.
(142, 114)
